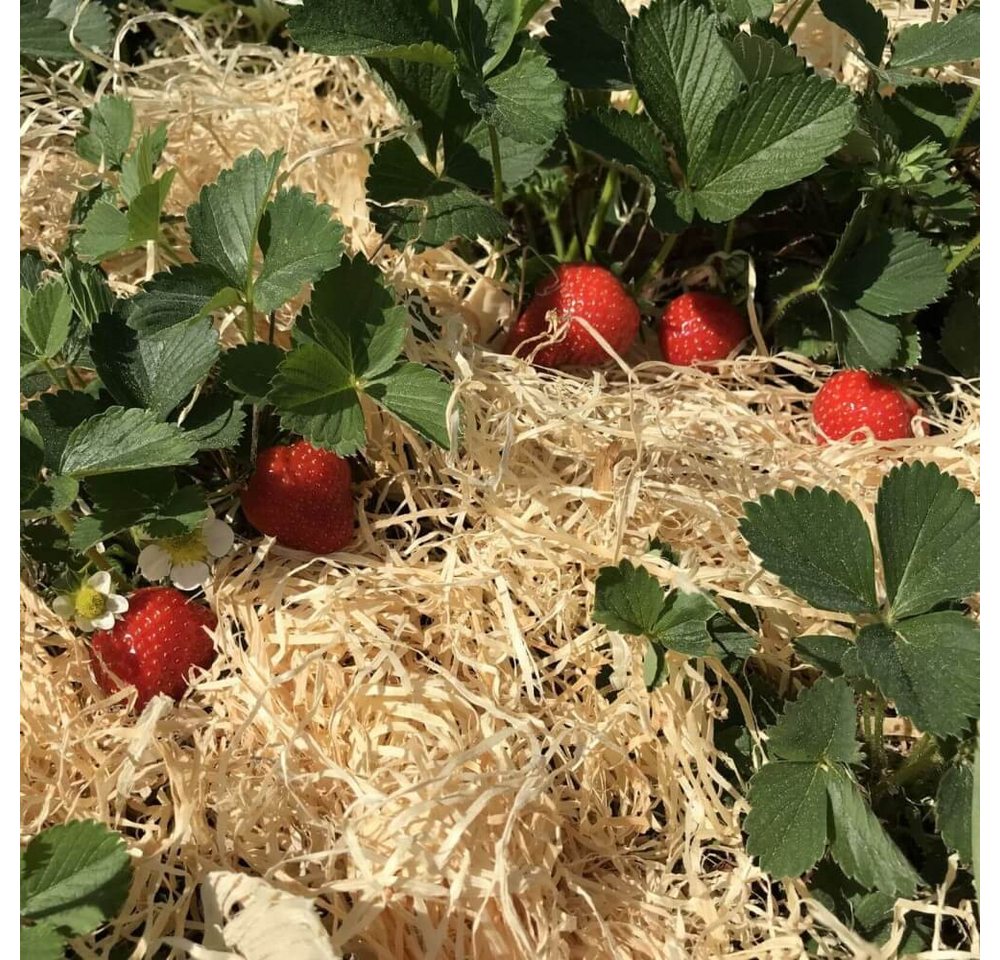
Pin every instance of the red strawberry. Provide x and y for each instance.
(301, 495)
(155, 644)
(577, 290)
(854, 399)
(700, 327)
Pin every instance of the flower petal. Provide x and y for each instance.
(219, 536)
(64, 607)
(116, 603)
(101, 582)
(189, 576)
(87, 626)
(154, 562)
(105, 621)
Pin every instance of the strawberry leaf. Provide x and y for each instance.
(469, 158)
(104, 232)
(77, 876)
(761, 57)
(55, 415)
(819, 725)
(45, 318)
(137, 170)
(585, 42)
(956, 799)
(119, 440)
(486, 30)
(216, 422)
(862, 21)
(787, 824)
(106, 132)
(42, 941)
(683, 624)
(955, 40)
(153, 370)
(45, 29)
(929, 666)
(625, 139)
(863, 340)
(183, 293)
(928, 534)
(416, 394)
(249, 369)
(628, 599)
(817, 544)
(823, 653)
(860, 845)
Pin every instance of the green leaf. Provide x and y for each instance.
(45, 321)
(955, 40)
(182, 293)
(137, 170)
(862, 21)
(655, 669)
(470, 159)
(216, 422)
(773, 134)
(353, 316)
(249, 369)
(787, 824)
(895, 272)
(89, 292)
(104, 232)
(45, 33)
(817, 544)
(683, 624)
(929, 666)
(819, 725)
(316, 398)
(956, 800)
(153, 370)
(729, 639)
(106, 132)
(225, 220)
(860, 845)
(761, 57)
(42, 942)
(586, 44)
(55, 415)
(53, 496)
(93, 27)
(183, 512)
(960, 337)
(300, 242)
(626, 139)
(628, 599)
(145, 210)
(928, 535)
(486, 30)
(523, 102)
(118, 440)
(398, 29)
(77, 876)
(409, 203)
(417, 395)
(31, 265)
(863, 340)
(823, 653)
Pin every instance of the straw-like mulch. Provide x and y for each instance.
(412, 733)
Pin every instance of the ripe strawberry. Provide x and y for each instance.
(700, 327)
(154, 645)
(577, 290)
(301, 495)
(853, 399)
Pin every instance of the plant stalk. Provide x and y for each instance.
(727, 245)
(967, 251)
(600, 212)
(789, 298)
(802, 10)
(497, 169)
(558, 243)
(658, 261)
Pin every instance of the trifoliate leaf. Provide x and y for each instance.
(628, 599)
(42, 942)
(104, 232)
(300, 242)
(486, 30)
(817, 544)
(955, 40)
(896, 272)
(216, 422)
(138, 168)
(819, 725)
(787, 824)
(625, 139)
(353, 316)
(153, 370)
(683, 71)
(823, 653)
(956, 799)
(774, 133)
(863, 340)
(55, 415)
(106, 132)
(860, 845)
(399, 29)
(316, 397)
(928, 534)
(862, 21)
(960, 337)
(683, 624)
(249, 369)
(77, 876)
(119, 439)
(409, 203)
(586, 43)
(523, 102)
(225, 220)
(929, 666)
(46, 318)
(182, 293)
(416, 394)
(761, 57)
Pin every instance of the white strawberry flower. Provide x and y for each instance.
(93, 606)
(185, 559)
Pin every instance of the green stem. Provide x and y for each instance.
(967, 251)
(789, 298)
(727, 246)
(270, 330)
(797, 18)
(658, 261)
(497, 169)
(964, 120)
(249, 326)
(876, 742)
(558, 244)
(600, 213)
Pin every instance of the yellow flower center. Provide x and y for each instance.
(89, 603)
(187, 548)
